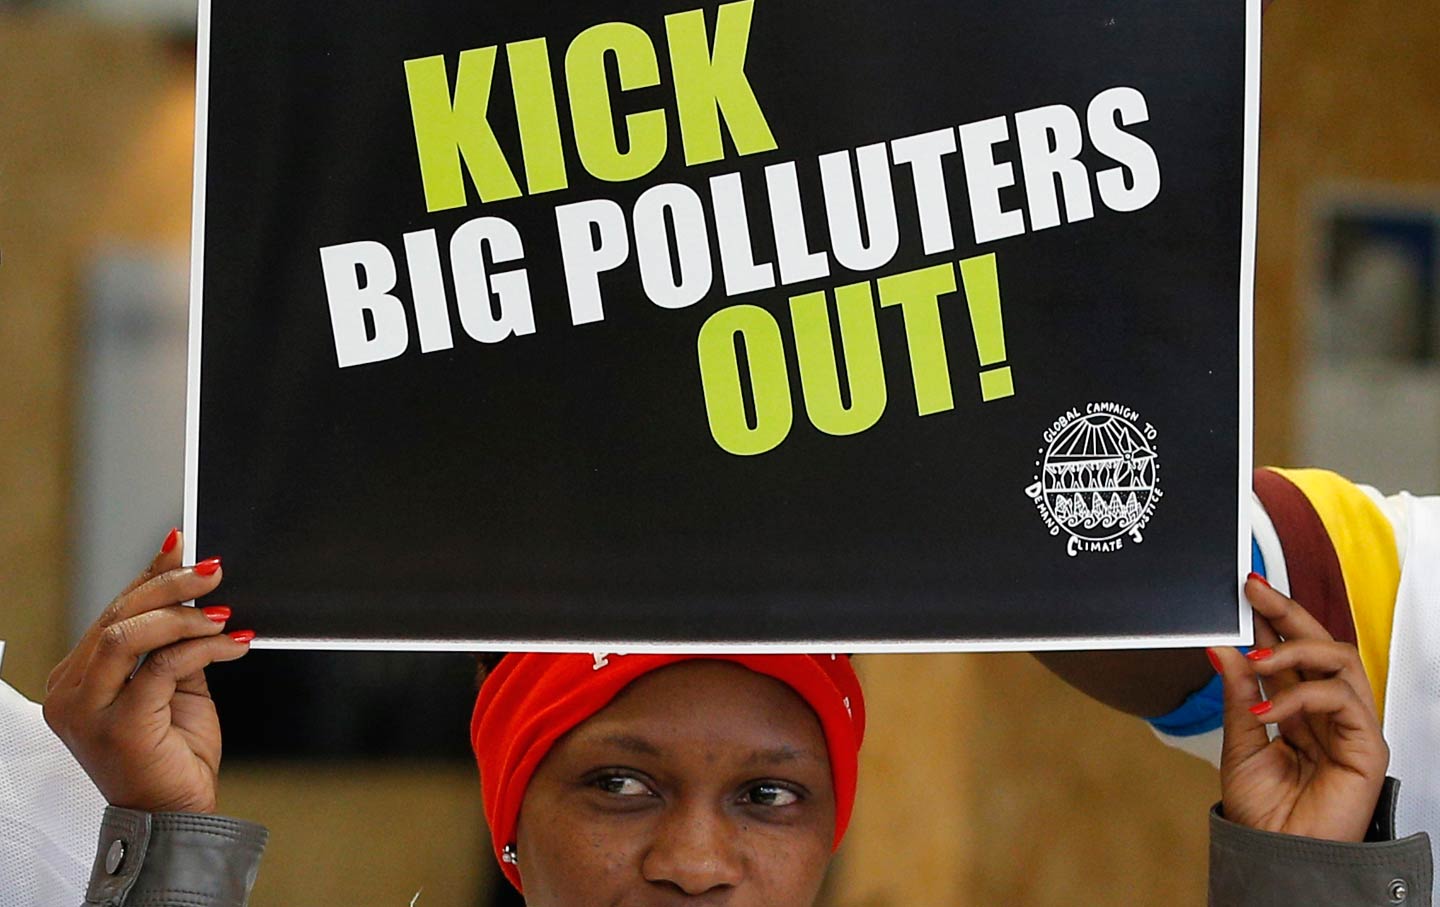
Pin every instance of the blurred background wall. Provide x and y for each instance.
(985, 779)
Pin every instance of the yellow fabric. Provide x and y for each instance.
(1364, 543)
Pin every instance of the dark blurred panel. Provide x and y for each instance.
(343, 705)
(506, 896)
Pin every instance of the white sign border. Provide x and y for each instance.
(1245, 636)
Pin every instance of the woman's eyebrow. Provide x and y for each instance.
(780, 754)
(631, 743)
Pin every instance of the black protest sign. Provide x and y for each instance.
(889, 325)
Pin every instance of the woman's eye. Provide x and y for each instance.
(771, 795)
(622, 786)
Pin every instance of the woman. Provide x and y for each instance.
(727, 780)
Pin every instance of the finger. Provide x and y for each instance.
(170, 588)
(1349, 734)
(167, 558)
(1289, 619)
(121, 645)
(1244, 736)
(156, 681)
(1265, 635)
(1282, 618)
(1317, 658)
(1266, 639)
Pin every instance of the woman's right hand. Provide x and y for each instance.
(148, 738)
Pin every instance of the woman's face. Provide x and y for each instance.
(702, 783)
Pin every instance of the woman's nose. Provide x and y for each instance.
(695, 849)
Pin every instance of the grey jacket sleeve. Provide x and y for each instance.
(174, 860)
(1251, 868)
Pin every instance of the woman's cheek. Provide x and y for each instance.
(576, 864)
(790, 866)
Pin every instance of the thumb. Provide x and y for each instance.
(1245, 735)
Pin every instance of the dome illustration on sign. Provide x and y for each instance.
(1098, 477)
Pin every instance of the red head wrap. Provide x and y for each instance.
(532, 700)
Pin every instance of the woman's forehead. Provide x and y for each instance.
(670, 742)
(756, 718)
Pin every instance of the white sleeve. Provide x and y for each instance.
(49, 811)
(1412, 699)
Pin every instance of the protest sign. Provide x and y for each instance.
(905, 325)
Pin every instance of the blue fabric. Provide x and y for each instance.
(1202, 711)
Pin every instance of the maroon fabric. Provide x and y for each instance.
(1310, 560)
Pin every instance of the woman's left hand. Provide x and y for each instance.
(1321, 777)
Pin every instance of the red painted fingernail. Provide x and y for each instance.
(217, 613)
(1214, 660)
(242, 635)
(169, 544)
(1262, 707)
(208, 567)
(1259, 654)
(1260, 579)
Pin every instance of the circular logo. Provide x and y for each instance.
(1097, 479)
